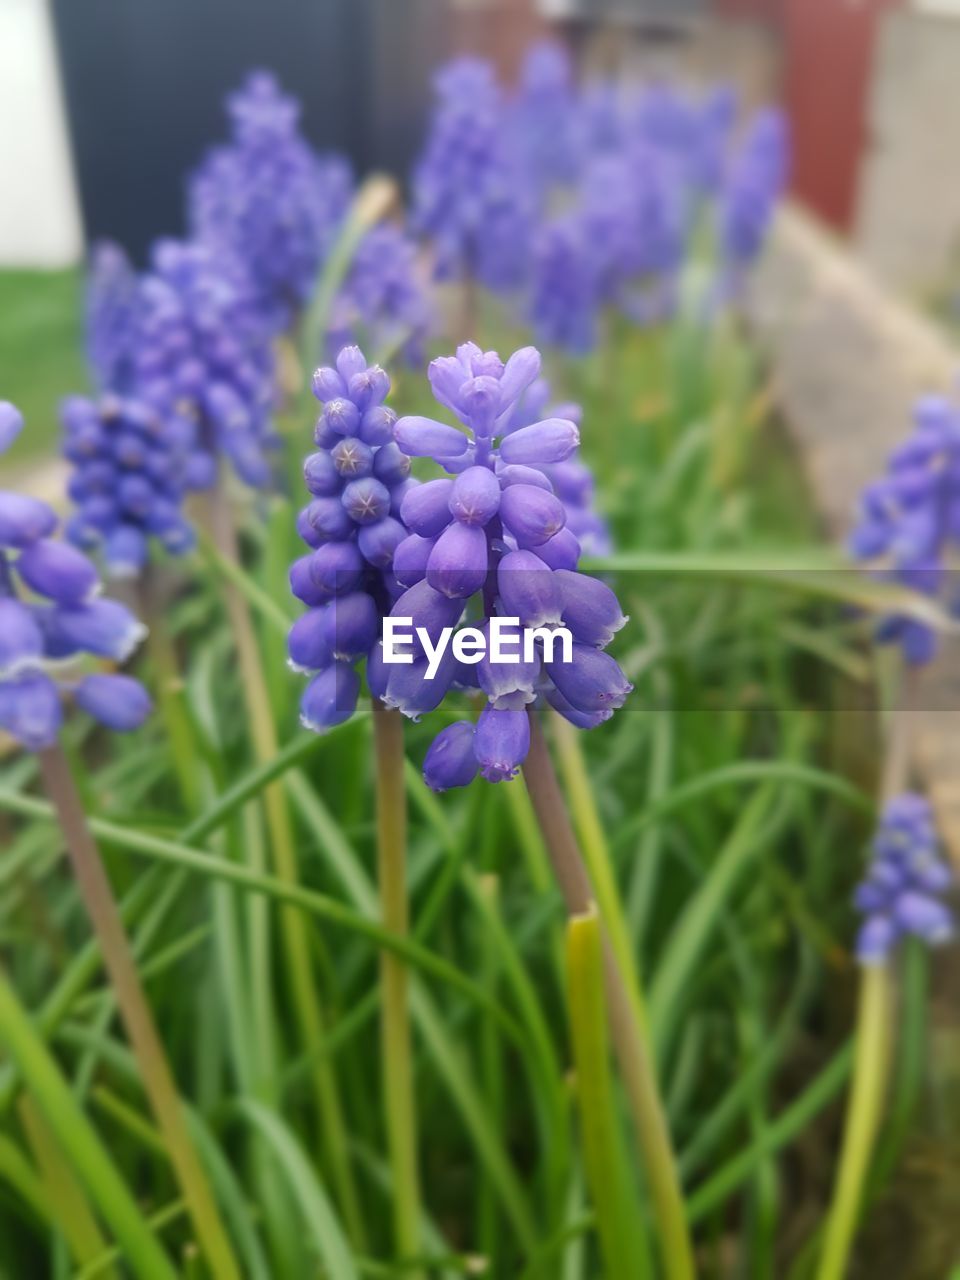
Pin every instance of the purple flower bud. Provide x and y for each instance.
(426, 508)
(522, 369)
(924, 917)
(343, 417)
(523, 475)
(531, 515)
(410, 559)
(21, 640)
(330, 698)
(328, 385)
(592, 681)
(325, 519)
(876, 939)
(308, 644)
(581, 719)
(366, 501)
(480, 401)
(378, 542)
(501, 743)
(428, 609)
(23, 520)
(303, 584)
(378, 425)
(30, 710)
(398, 492)
(475, 498)
(450, 760)
(391, 465)
(552, 440)
(320, 474)
(125, 551)
(510, 686)
(104, 628)
(528, 590)
(352, 458)
(411, 693)
(11, 424)
(58, 571)
(447, 376)
(425, 438)
(350, 361)
(350, 625)
(590, 609)
(119, 702)
(335, 567)
(369, 387)
(458, 563)
(562, 551)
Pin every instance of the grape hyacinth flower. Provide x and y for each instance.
(543, 114)
(358, 479)
(268, 199)
(384, 297)
(911, 516)
(51, 613)
(498, 529)
(902, 891)
(748, 199)
(131, 472)
(565, 302)
(470, 194)
(204, 356)
(110, 315)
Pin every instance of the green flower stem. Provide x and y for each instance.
(169, 688)
(596, 853)
(395, 1018)
(618, 1223)
(863, 1116)
(121, 967)
(296, 938)
(628, 1036)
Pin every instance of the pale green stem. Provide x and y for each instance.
(294, 929)
(619, 1225)
(121, 967)
(864, 1108)
(627, 1033)
(398, 1089)
(169, 688)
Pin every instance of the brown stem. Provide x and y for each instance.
(118, 959)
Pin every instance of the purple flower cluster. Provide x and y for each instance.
(543, 115)
(470, 194)
(384, 299)
(50, 613)
(910, 516)
(901, 894)
(751, 189)
(268, 199)
(202, 354)
(496, 528)
(358, 479)
(131, 470)
(110, 314)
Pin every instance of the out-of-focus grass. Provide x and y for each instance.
(41, 352)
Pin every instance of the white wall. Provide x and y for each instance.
(39, 211)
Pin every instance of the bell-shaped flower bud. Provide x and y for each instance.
(412, 693)
(58, 571)
(450, 760)
(377, 425)
(125, 551)
(378, 542)
(428, 610)
(528, 590)
(324, 520)
(426, 438)
(531, 515)
(876, 939)
(501, 743)
(327, 384)
(21, 640)
(581, 719)
(426, 508)
(517, 474)
(475, 497)
(590, 608)
(509, 686)
(351, 624)
(105, 628)
(366, 501)
(308, 643)
(391, 465)
(335, 567)
(592, 681)
(24, 520)
(552, 440)
(924, 917)
(562, 551)
(522, 369)
(30, 710)
(342, 417)
(352, 458)
(410, 559)
(330, 698)
(458, 563)
(119, 702)
(304, 585)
